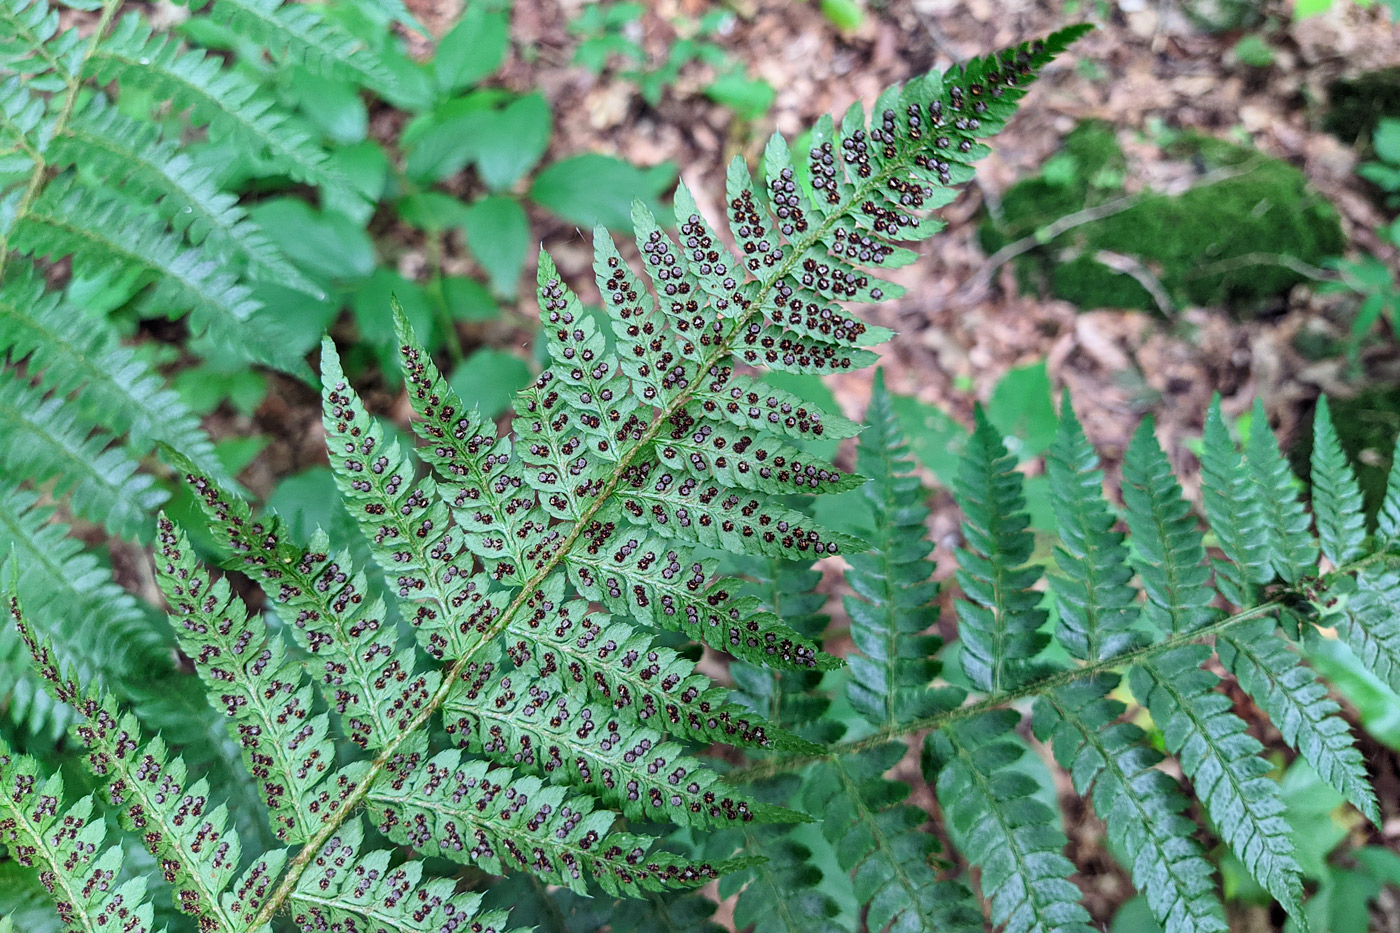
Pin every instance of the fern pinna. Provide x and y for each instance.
(545, 720)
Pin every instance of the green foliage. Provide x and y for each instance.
(549, 577)
(608, 32)
(554, 578)
(1233, 240)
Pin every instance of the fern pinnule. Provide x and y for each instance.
(1224, 763)
(1233, 512)
(1171, 560)
(1287, 527)
(1336, 497)
(893, 605)
(1296, 701)
(1097, 605)
(999, 619)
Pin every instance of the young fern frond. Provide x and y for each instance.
(549, 572)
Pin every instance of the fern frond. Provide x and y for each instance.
(135, 158)
(77, 354)
(494, 819)
(1171, 557)
(1369, 623)
(347, 890)
(99, 231)
(1097, 606)
(999, 620)
(1288, 537)
(73, 601)
(1222, 760)
(1141, 806)
(894, 597)
(1013, 837)
(70, 849)
(151, 794)
(1388, 519)
(1336, 497)
(227, 102)
(44, 438)
(1233, 512)
(264, 692)
(535, 726)
(877, 837)
(299, 32)
(1298, 704)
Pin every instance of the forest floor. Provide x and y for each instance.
(963, 322)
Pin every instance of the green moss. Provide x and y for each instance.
(1208, 246)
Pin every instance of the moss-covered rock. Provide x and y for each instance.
(1207, 246)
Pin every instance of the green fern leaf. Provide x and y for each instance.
(225, 101)
(75, 353)
(894, 601)
(152, 795)
(1336, 497)
(29, 31)
(1097, 606)
(1388, 520)
(876, 837)
(348, 890)
(1222, 760)
(70, 849)
(100, 232)
(134, 157)
(784, 892)
(1141, 806)
(998, 622)
(73, 601)
(1233, 512)
(1369, 623)
(43, 438)
(299, 32)
(1013, 837)
(1298, 704)
(1288, 539)
(1170, 552)
(263, 691)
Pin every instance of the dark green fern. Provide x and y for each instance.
(547, 713)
